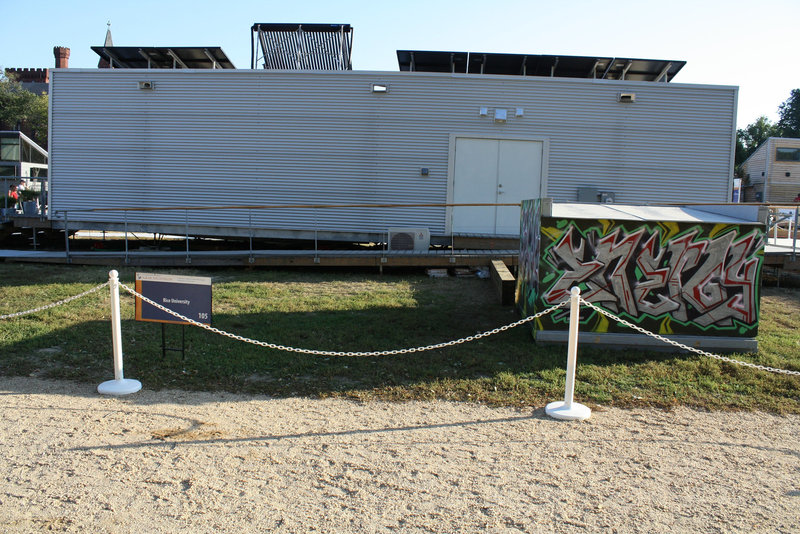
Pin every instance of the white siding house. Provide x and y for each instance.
(194, 138)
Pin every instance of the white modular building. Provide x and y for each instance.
(323, 149)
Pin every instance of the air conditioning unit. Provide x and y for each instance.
(418, 239)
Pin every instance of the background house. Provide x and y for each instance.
(772, 172)
(37, 80)
(20, 156)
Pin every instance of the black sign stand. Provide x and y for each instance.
(164, 347)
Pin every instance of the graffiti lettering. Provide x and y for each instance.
(704, 280)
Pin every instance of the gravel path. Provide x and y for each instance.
(173, 461)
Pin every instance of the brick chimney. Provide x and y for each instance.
(62, 57)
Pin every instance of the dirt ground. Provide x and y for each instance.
(173, 461)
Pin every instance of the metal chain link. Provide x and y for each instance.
(54, 304)
(686, 347)
(337, 353)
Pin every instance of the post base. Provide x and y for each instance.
(559, 410)
(123, 386)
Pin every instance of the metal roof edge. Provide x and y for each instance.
(392, 73)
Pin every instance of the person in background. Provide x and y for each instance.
(13, 194)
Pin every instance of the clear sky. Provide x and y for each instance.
(752, 44)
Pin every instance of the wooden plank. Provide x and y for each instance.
(504, 282)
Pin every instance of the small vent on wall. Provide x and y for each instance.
(418, 239)
(627, 97)
(147, 85)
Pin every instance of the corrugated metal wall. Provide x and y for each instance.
(225, 137)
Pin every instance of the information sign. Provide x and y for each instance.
(188, 295)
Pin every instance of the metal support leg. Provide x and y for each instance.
(794, 235)
(316, 231)
(66, 236)
(127, 259)
(188, 258)
(250, 228)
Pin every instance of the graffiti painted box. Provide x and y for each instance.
(689, 273)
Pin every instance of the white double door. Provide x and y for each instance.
(494, 171)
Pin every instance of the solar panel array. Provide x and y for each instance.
(301, 46)
(608, 68)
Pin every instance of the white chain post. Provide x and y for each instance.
(120, 385)
(567, 409)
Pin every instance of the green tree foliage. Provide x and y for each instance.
(789, 111)
(23, 110)
(749, 138)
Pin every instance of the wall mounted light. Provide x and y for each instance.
(483, 111)
(627, 98)
(500, 115)
(519, 112)
(379, 88)
(147, 85)
(424, 171)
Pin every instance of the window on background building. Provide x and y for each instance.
(37, 157)
(787, 154)
(9, 149)
(25, 149)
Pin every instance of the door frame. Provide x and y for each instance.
(451, 166)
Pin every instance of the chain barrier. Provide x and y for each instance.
(686, 347)
(411, 349)
(54, 304)
(337, 353)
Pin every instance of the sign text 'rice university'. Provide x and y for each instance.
(188, 295)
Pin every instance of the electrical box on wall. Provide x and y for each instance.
(607, 197)
(592, 194)
(588, 194)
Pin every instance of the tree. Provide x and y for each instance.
(789, 111)
(22, 110)
(749, 138)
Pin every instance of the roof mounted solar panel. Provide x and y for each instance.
(164, 57)
(411, 60)
(301, 46)
(609, 68)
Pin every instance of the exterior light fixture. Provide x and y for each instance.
(379, 88)
(627, 98)
(500, 115)
(146, 85)
(483, 111)
(519, 112)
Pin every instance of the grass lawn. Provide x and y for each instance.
(365, 311)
